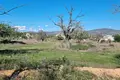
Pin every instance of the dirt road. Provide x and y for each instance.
(101, 71)
(96, 71)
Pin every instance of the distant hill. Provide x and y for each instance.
(104, 31)
(53, 32)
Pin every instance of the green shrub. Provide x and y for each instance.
(41, 35)
(117, 37)
(117, 56)
(60, 69)
(91, 45)
(16, 63)
(59, 37)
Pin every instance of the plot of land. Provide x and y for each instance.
(13, 56)
(97, 71)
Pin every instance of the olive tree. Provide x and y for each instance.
(69, 28)
(73, 23)
(80, 34)
(42, 35)
(6, 31)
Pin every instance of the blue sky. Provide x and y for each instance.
(34, 15)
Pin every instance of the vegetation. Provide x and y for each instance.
(6, 31)
(62, 70)
(41, 35)
(10, 35)
(80, 47)
(30, 55)
(60, 37)
(117, 38)
(49, 62)
(58, 69)
(45, 57)
(80, 34)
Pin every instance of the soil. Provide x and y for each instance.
(97, 71)
(101, 71)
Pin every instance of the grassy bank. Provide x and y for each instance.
(32, 54)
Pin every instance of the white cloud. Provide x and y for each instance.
(33, 29)
(46, 25)
(20, 27)
(40, 28)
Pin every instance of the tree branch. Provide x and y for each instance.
(6, 12)
(117, 9)
(79, 15)
(70, 18)
(72, 24)
(53, 21)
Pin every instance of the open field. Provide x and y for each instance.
(14, 56)
(33, 53)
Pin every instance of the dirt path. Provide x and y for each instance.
(101, 71)
(6, 72)
(96, 71)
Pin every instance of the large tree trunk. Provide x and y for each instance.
(66, 44)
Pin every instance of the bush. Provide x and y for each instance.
(117, 37)
(59, 37)
(16, 63)
(41, 35)
(60, 69)
(57, 69)
(91, 44)
(117, 56)
(80, 35)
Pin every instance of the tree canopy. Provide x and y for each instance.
(7, 32)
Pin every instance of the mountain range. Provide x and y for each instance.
(103, 31)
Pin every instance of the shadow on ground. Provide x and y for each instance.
(11, 42)
(20, 51)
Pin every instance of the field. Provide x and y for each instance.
(14, 56)
(35, 52)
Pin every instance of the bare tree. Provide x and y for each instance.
(2, 12)
(73, 23)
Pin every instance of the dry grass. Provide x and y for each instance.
(101, 47)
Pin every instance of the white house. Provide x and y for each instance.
(107, 38)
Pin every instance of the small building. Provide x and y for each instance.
(107, 38)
